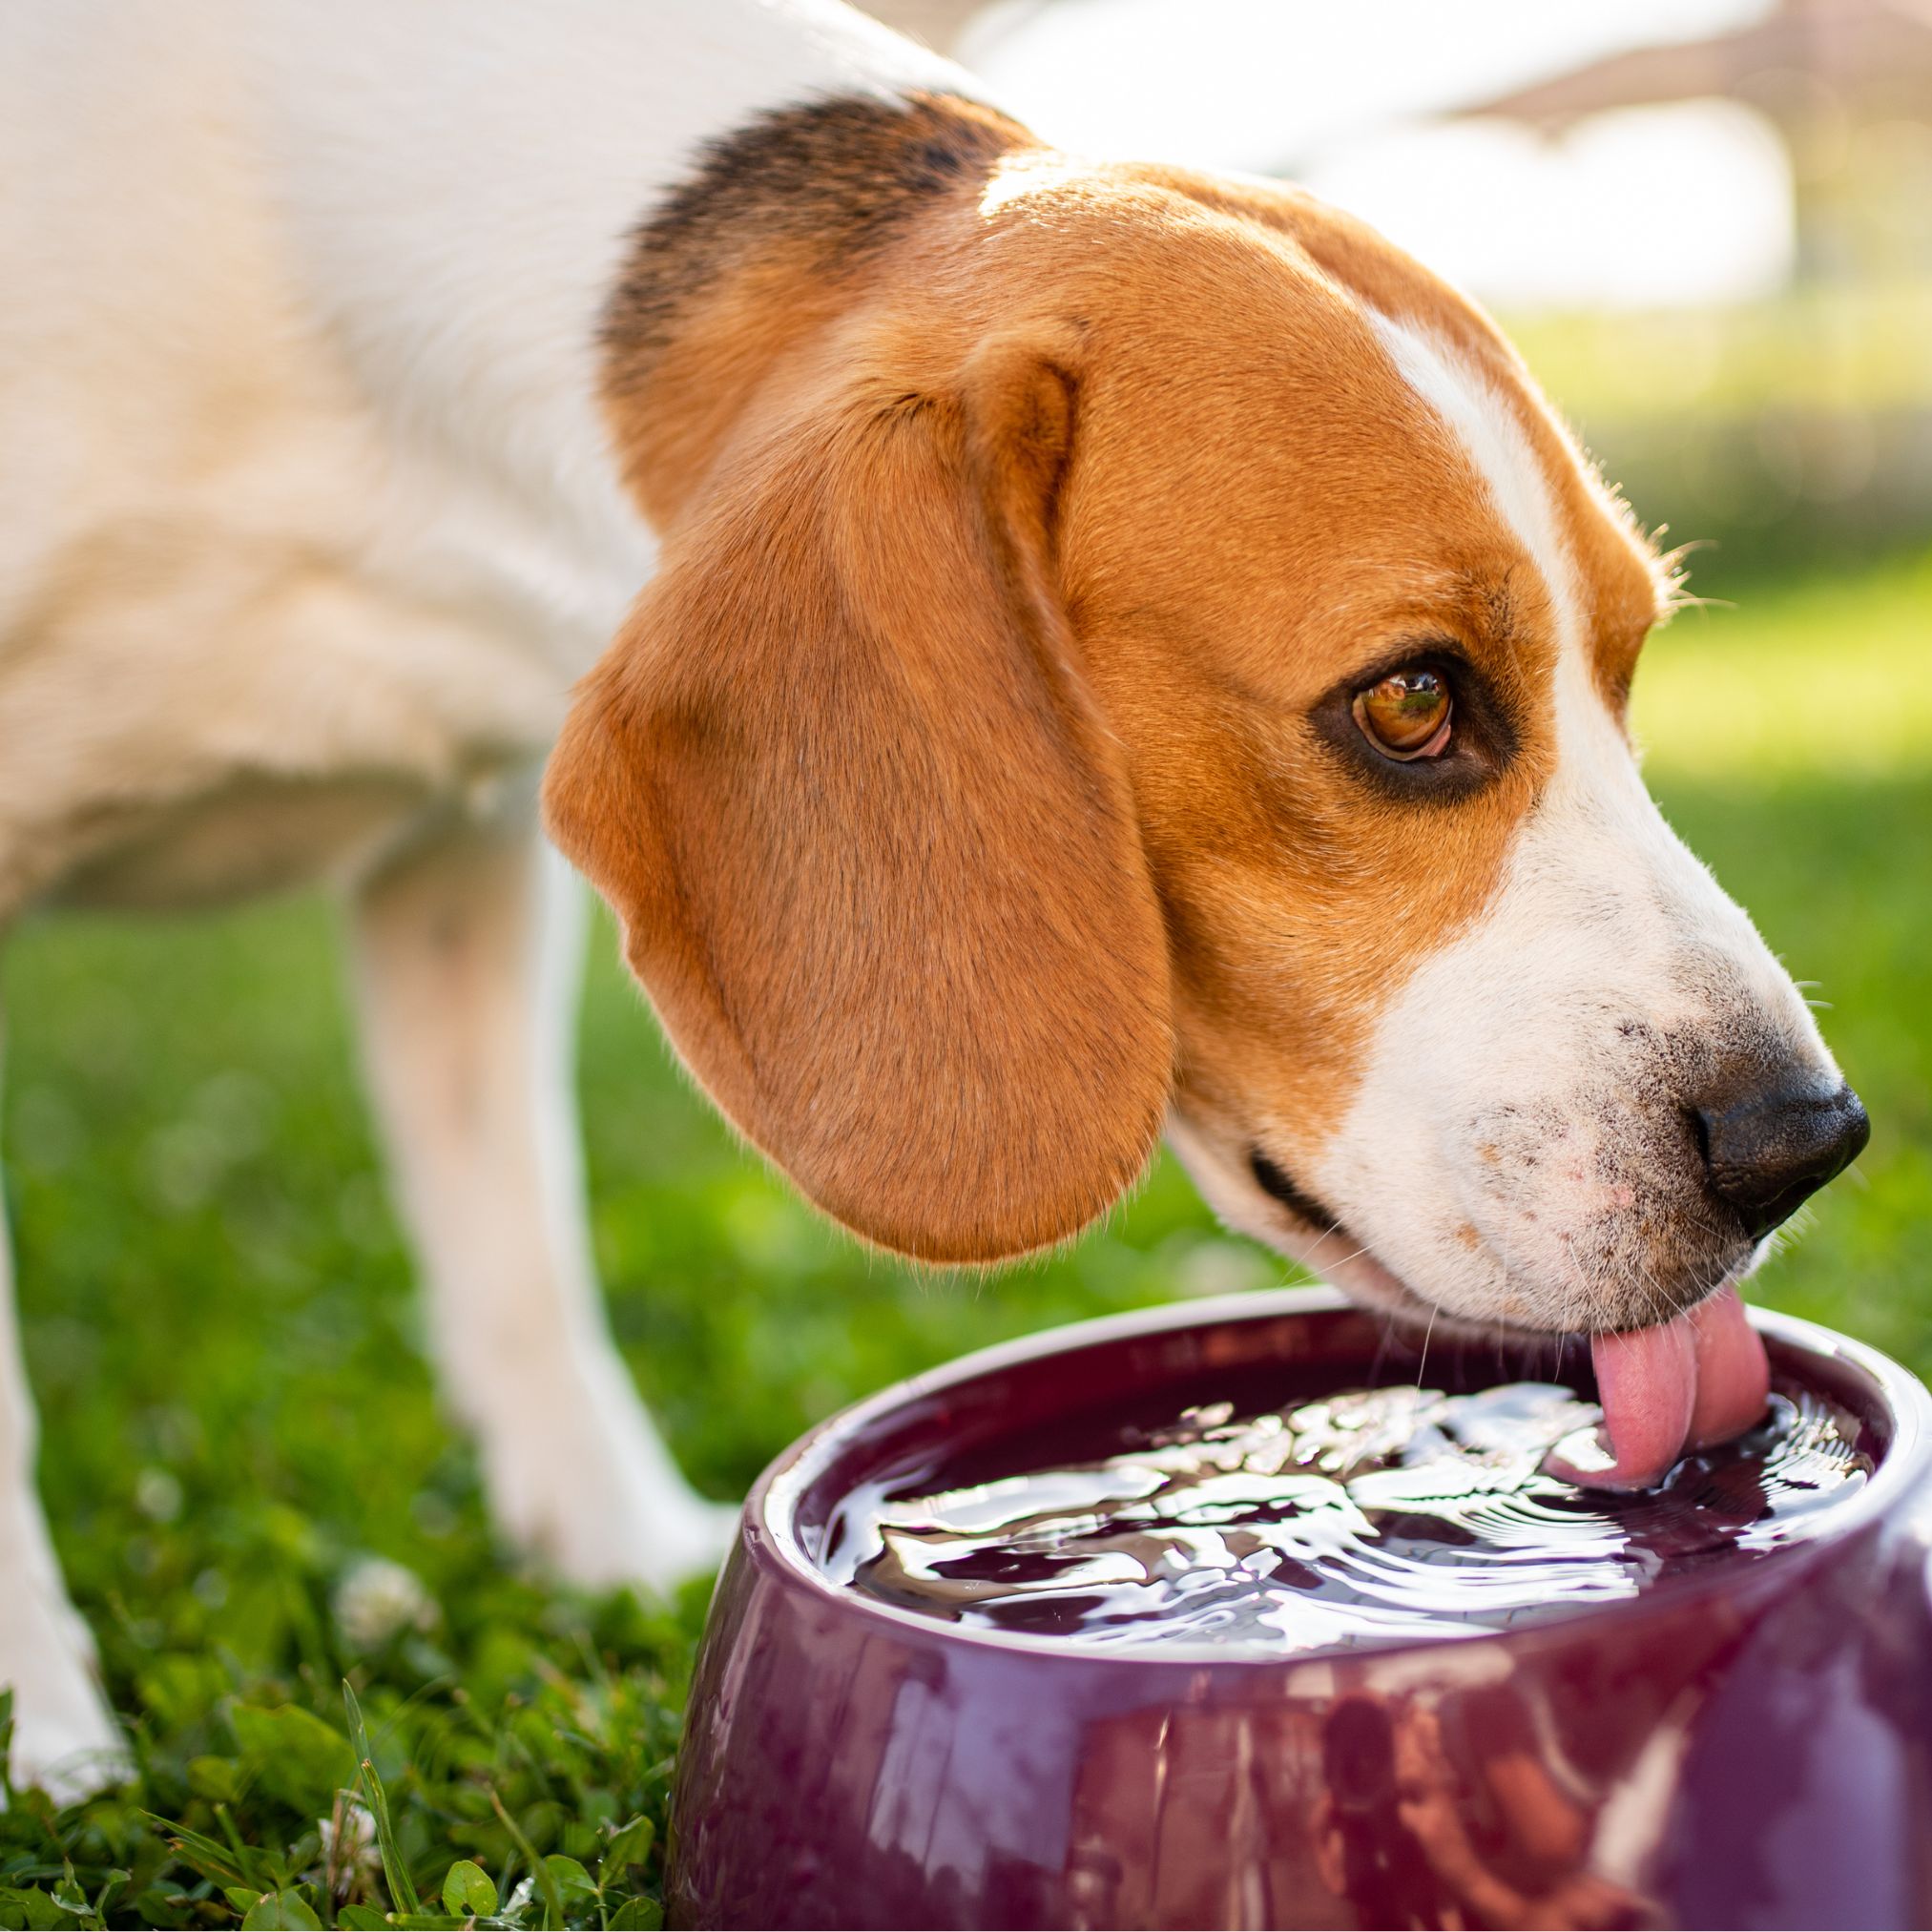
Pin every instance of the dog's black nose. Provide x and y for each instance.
(1771, 1151)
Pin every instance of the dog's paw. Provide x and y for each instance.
(602, 1534)
(65, 1740)
(655, 1546)
(593, 1495)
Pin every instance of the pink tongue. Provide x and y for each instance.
(1683, 1384)
(1734, 1378)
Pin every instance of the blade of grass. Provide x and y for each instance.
(211, 1859)
(115, 1881)
(401, 1891)
(545, 1878)
(245, 1862)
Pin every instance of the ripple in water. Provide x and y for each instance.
(1374, 1516)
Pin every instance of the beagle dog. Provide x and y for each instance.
(1099, 650)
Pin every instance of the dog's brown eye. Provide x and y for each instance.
(1406, 715)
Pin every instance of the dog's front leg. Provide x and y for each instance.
(467, 956)
(63, 1736)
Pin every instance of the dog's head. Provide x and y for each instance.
(1136, 649)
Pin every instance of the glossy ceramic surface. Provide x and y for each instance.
(1752, 1747)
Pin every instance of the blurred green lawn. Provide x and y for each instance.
(237, 1411)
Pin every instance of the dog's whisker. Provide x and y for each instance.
(1428, 1335)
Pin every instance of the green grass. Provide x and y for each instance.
(237, 1412)
(1825, 682)
(1856, 346)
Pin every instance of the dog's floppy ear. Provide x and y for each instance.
(869, 839)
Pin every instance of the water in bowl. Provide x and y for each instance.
(1368, 1517)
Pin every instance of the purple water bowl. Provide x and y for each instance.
(1749, 1745)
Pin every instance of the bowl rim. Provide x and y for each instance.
(766, 1536)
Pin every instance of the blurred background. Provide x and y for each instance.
(1708, 223)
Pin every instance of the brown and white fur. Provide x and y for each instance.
(974, 776)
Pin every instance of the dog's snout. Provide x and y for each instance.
(1770, 1152)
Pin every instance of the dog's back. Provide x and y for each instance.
(185, 473)
(306, 516)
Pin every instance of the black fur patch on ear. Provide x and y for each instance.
(835, 177)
